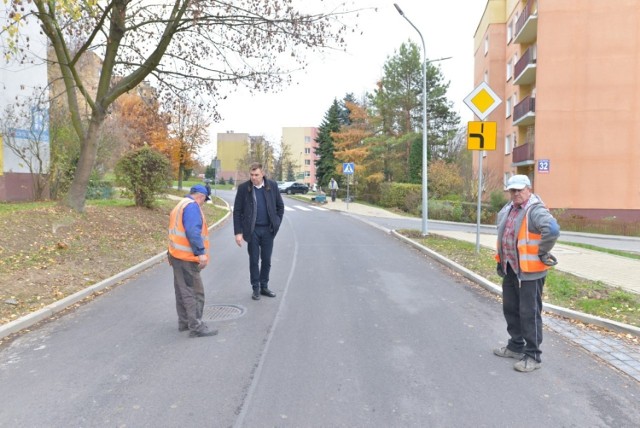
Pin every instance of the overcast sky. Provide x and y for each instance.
(448, 28)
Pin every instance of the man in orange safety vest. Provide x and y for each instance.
(526, 234)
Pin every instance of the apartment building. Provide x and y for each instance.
(568, 74)
(232, 149)
(20, 85)
(301, 142)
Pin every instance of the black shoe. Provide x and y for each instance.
(255, 295)
(203, 333)
(183, 328)
(267, 292)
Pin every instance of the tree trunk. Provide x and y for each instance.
(77, 194)
(180, 175)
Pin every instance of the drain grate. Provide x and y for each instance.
(222, 312)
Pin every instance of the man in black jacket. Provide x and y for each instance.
(257, 215)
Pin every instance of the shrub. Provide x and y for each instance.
(497, 200)
(405, 196)
(144, 173)
(98, 189)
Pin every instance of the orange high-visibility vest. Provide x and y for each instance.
(179, 246)
(528, 246)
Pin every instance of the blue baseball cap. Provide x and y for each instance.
(199, 188)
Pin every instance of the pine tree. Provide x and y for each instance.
(397, 102)
(326, 163)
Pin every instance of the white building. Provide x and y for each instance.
(22, 82)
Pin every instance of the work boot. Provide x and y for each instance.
(203, 332)
(527, 364)
(507, 353)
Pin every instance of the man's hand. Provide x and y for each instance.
(239, 239)
(499, 270)
(548, 259)
(202, 261)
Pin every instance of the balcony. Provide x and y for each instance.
(524, 113)
(527, 24)
(523, 155)
(525, 68)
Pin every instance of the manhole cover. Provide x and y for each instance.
(222, 312)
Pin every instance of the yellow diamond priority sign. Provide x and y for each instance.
(482, 101)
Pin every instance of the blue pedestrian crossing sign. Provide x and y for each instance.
(348, 168)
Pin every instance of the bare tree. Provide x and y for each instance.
(24, 131)
(262, 151)
(189, 132)
(185, 47)
(283, 163)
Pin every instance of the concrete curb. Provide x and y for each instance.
(490, 286)
(62, 304)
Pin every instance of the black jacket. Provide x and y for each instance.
(244, 208)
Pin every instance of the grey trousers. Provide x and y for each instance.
(189, 294)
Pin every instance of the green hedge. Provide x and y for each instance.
(408, 198)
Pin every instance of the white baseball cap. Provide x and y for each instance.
(518, 182)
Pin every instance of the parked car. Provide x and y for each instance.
(284, 184)
(292, 188)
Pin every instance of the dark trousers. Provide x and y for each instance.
(189, 293)
(333, 195)
(522, 308)
(260, 249)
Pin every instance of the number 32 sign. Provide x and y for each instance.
(544, 165)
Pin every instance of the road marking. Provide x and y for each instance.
(300, 207)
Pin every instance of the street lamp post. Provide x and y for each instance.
(425, 203)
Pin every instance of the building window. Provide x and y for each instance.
(307, 139)
(307, 162)
(505, 179)
(307, 150)
(508, 107)
(307, 173)
(509, 70)
(486, 76)
(486, 45)
(507, 144)
(509, 31)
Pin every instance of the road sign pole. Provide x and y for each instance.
(482, 101)
(348, 177)
(479, 201)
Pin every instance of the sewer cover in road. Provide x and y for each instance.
(222, 312)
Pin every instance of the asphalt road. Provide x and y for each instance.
(364, 332)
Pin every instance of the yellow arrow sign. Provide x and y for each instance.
(482, 135)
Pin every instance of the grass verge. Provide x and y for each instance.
(48, 252)
(603, 250)
(561, 289)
